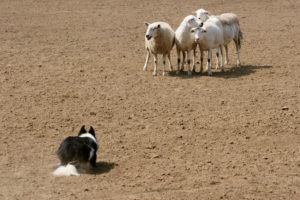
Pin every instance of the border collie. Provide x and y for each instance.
(77, 152)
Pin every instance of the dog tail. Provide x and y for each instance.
(67, 170)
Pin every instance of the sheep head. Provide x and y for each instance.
(152, 30)
(192, 21)
(199, 33)
(202, 14)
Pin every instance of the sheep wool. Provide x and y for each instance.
(231, 31)
(159, 39)
(163, 42)
(185, 42)
(229, 19)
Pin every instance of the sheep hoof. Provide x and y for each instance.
(217, 67)
(178, 72)
(164, 73)
(209, 74)
(171, 68)
(222, 70)
(189, 73)
(145, 68)
(154, 73)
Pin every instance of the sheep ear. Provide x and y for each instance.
(206, 12)
(146, 23)
(201, 24)
(158, 26)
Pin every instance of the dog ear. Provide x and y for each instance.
(92, 131)
(82, 130)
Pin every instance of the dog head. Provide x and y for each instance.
(83, 131)
(89, 134)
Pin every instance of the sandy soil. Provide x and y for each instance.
(234, 135)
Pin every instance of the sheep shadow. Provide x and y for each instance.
(234, 72)
(101, 168)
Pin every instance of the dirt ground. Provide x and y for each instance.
(234, 135)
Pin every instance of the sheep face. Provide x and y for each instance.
(193, 21)
(199, 33)
(202, 14)
(152, 31)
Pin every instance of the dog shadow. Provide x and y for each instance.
(101, 168)
(234, 72)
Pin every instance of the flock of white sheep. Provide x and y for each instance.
(206, 31)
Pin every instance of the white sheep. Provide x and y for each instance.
(209, 36)
(159, 39)
(203, 16)
(231, 31)
(185, 41)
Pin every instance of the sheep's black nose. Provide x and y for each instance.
(148, 37)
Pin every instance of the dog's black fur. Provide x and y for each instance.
(78, 150)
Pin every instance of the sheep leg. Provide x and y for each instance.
(194, 61)
(164, 64)
(222, 65)
(207, 65)
(155, 65)
(226, 59)
(238, 63)
(146, 63)
(189, 62)
(217, 54)
(170, 65)
(178, 61)
(209, 62)
(201, 60)
(183, 60)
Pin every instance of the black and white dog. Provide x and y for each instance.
(77, 152)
